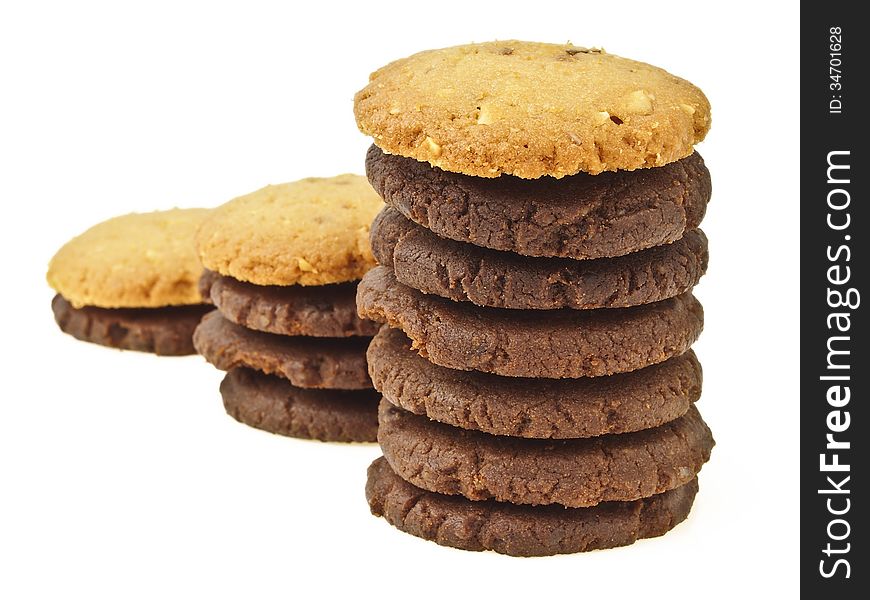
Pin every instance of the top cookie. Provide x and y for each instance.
(140, 260)
(531, 109)
(313, 231)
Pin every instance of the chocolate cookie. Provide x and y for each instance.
(521, 530)
(575, 473)
(581, 216)
(307, 362)
(167, 331)
(319, 311)
(532, 408)
(464, 272)
(273, 404)
(205, 282)
(529, 343)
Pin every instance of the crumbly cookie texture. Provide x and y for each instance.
(319, 311)
(532, 408)
(139, 260)
(531, 109)
(573, 473)
(309, 232)
(582, 216)
(521, 530)
(165, 330)
(532, 343)
(275, 405)
(306, 362)
(467, 273)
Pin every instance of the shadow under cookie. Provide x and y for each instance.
(467, 273)
(166, 331)
(581, 216)
(532, 408)
(521, 530)
(319, 311)
(333, 363)
(529, 343)
(273, 404)
(574, 473)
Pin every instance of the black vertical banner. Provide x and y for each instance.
(835, 363)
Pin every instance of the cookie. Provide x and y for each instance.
(320, 311)
(579, 217)
(309, 232)
(574, 473)
(528, 343)
(140, 260)
(273, 404)
(463, 272)
(532, 408)
(306, 362)
(205, 282)
(521, 530)
(167, 331)
(530, 109)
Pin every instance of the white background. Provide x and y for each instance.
(120, 474)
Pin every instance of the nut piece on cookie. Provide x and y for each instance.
(309, 232)
(531, 109)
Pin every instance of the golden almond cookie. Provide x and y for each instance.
(139, 260)
(313, 231)
(530, 109)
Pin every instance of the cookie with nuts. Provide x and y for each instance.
(531, 109)
(309, 232)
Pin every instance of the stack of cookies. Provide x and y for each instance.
(282, 268)
(131, 283)
(537, 252)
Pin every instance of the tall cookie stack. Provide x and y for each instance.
(282, 268)
(537, 378)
